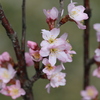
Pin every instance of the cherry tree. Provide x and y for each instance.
(54, 47)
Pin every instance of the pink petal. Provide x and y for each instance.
(64, 36)
(55, 32)
(54, 13)
(80, 25)
(45, 34)
(71, 6)
(52, 59)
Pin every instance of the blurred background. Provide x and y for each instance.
(35, 20)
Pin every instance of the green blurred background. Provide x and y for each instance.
(35, 20)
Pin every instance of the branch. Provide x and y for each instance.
(38, 75)
(60, 12)
(86, 44)
(23, 27)
(13, 37)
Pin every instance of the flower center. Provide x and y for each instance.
(36, 56)
(51, 40)
(90, 92)
(14, 91)
(49, 67)
(53, 50)
(6, 75)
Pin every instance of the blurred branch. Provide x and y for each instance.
(23, 26)
(60, 12)
(86, 44)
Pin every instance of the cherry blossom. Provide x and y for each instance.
(50, 37)
(56, 48)
(34, 51)
(54, 52)
(15, 91)
(97, 55)
(57, 78)
(48, 68)
(90, 93)
(7, 74)
(51, 14)
(96, 72)
(35, 55)
(77, 14)
(97, 28)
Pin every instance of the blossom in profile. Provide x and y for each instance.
(34, 51)
(90, 93)
(15, 90)
(7, 74)
(51, 14)
(96, 72)
(35, 55)
(97, 55)
(77, 14)
(97, 28)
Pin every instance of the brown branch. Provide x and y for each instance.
(23, 26)
(38, 75)
(21, 66)
(86, 44)
(60, 12)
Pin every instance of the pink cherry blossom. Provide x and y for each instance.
(28, 59)
(7, 74)
(97, 28)
(90, 93)
(16, 91)
(77, 14)
(57, 78)
(56, 48)
(4, 90)
(50, 37)
(96, 72)
(51, 14)
(54, 52)
(97, 55)
(48, 67)
(35, 55)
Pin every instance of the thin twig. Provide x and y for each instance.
(86, 44)
(23, 27)
(60, 12)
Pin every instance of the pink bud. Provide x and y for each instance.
(32, 45)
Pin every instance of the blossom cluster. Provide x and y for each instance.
(9, 86)
(54, 48)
